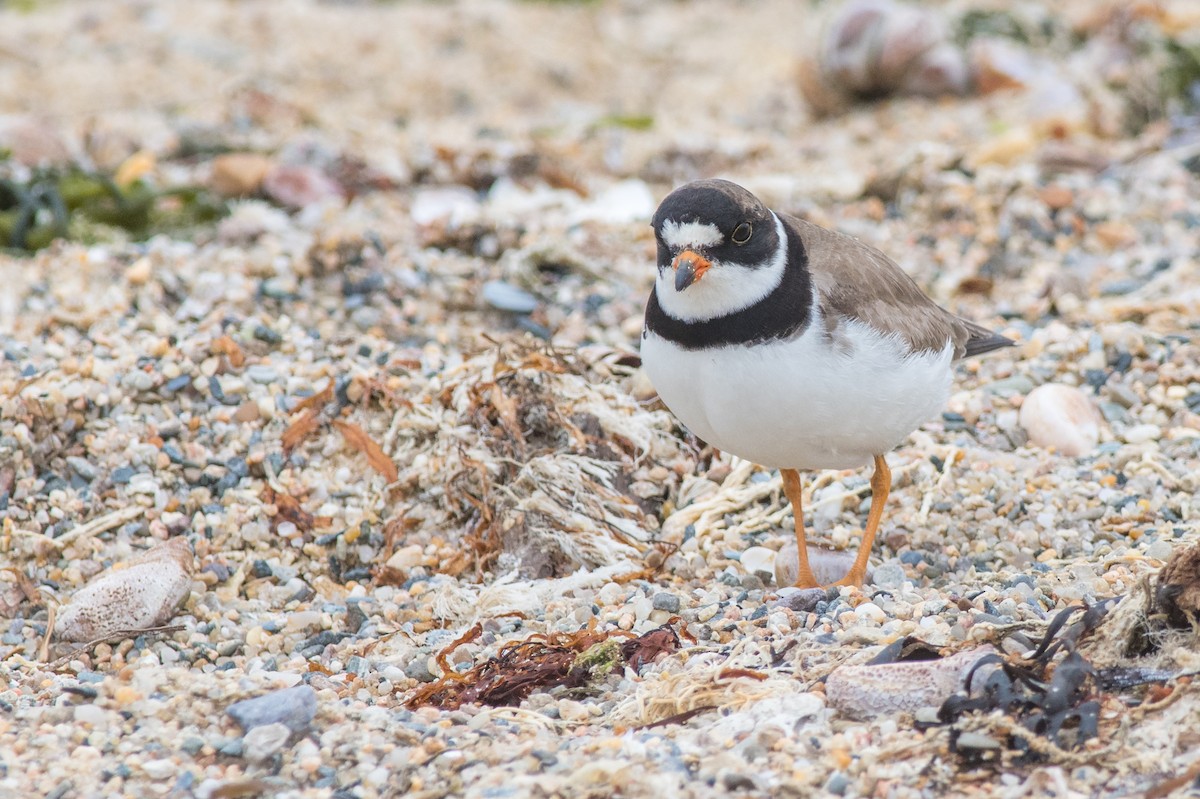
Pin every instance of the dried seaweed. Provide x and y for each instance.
(541, 461)
(1052, 696)
(357, 437)
(540, 662)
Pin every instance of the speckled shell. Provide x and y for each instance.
(143, 592)
(863, 691)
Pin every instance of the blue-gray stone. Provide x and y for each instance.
(507, 297)
(837, 783)
(664, 600)
(293, 707)
(177, 383)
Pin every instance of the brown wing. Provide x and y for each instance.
(857, 281)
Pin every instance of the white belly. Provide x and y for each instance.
(801, 404)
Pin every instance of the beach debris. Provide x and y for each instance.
(904, 684)
(141, 593)
(1177, 590)
(873, 48)
(548, 466)
(540, 662)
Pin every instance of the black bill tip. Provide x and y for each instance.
(685, 275)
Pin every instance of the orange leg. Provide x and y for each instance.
(881, 483)
(791, 487)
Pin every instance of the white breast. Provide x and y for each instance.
(802, 403)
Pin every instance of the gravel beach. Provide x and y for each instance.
(358, 489)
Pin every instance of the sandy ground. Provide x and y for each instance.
(391, 403)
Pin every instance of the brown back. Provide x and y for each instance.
(857, 281)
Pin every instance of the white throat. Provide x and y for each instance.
(725, 288)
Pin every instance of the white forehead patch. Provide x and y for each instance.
(681, 235)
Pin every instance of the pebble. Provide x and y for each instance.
(91, 714)
(1160, 550)
(869, 611)
(1062, 417)
(292, 707)
(1123, 394)
(238, 174)
(299, 186)
(801, 600)
(262, 373)
(264, 740)
(507, 297)
(667, 601)
(1142, 433)
(1007, 387)
(444, 204)
(889, 575)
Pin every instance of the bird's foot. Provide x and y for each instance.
(854, 579)
(806, 579)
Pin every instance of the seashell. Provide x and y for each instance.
(864, 691)
(873, 48)
(143, 592)
(1063, 417)
(828, 565)
(758, 559)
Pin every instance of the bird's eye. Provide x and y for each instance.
(741, 233)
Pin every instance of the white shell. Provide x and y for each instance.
(143, 592)
(1063, 417)
(863, 691)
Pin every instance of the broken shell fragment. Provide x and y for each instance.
(143, 592)
(864, 691)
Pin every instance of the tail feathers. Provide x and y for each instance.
(983, 340)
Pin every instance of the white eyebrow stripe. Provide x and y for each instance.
(680, 235)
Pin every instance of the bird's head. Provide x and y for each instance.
(718, 249)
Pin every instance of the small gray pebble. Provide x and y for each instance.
(667, 601)
(82, 467)
(803, 600)
(837, 783)
(1123, 394)
(192, 745)
(889, 575)
(418, 669)
(507, 297)
(231, 747)
(262, 373)
(137, 380)
(1017, 384)
(752, 582)
(1113, 412)
(293, 707)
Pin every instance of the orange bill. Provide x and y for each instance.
(689, 267)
